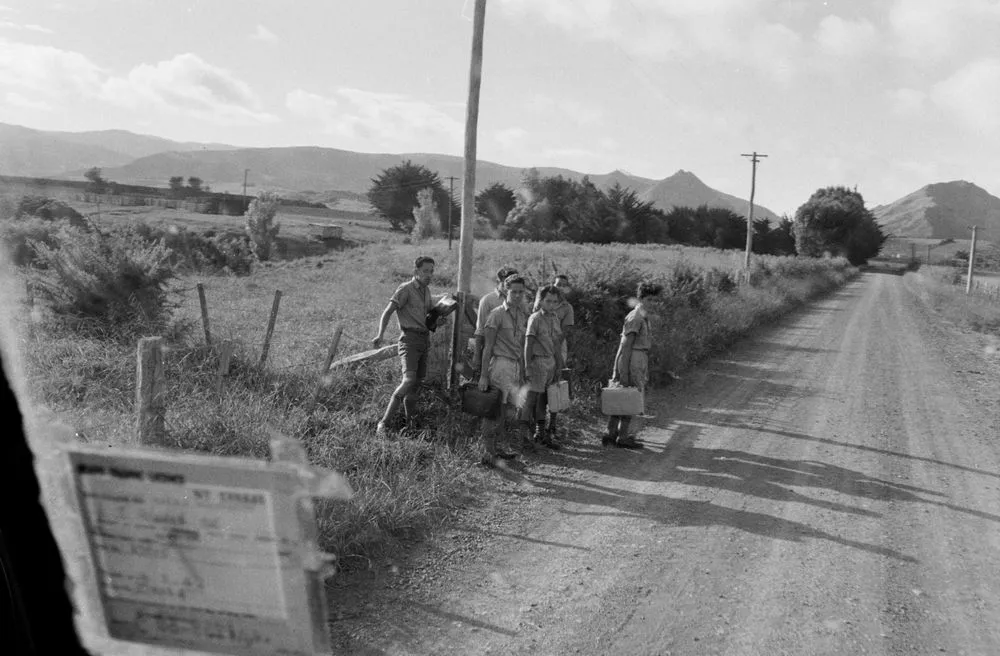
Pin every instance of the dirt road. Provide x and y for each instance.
(831, 486)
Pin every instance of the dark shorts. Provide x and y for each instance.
(413, 348)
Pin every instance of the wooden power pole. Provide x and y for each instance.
(471, 126)
(245, 172)
(972, 260)
(451, 201)
(753, 188)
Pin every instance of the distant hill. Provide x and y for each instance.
(28, 152)
(944, 210)
(684, 189)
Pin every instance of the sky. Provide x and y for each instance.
(882, 95)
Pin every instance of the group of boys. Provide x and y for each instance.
(520, 349)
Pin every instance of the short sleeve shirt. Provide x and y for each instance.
(413, 302)
(487, 304)
(510, 324)
(545, 329)
(565, 315)
(637, 323)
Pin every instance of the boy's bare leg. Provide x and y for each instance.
(399, 397)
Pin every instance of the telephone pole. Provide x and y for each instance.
(451, 201)
(972, 260)
(753, 187)
(245, 172)
(471, 126)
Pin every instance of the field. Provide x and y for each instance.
(405, 486)
(905, 247)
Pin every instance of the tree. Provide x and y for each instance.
(495, 203)
(393, 194)
(177, 186)
(194, 184)
(425, 215)
(639, 222)
(261, 227)
(98, 184)
(835, 221)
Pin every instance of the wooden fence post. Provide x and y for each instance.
(325, 371)
(270, 327)
(149, 402)
(204, 313)
(225, 355)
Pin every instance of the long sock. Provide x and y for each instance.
(623, 427)
(552, 421)
(613, 426)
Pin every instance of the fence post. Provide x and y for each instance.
(30, 293)
(270, 327)
(149, 402)
(330, 354)
(225, 355)
(204, 313)
(456, 330)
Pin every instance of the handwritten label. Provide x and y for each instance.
(159, 539)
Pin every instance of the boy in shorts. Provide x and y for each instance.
(411, 302)
(502, 361)
(566, 318)
(543, 360)
(487, 304)
(631, 368)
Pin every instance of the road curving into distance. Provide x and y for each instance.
(830, 486)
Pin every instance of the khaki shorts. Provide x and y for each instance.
(413, 348)
(638, 370)
(541, 372)
(505, 375)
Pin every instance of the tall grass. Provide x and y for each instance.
(404, 486)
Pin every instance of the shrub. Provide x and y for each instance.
(114, 282)
(425, 215)
(193, 251)
(261, 227)
(18, 235)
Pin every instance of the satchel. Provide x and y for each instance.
(481, 404)
(622, 401)
(558, 394)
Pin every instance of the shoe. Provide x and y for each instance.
(608, 439)
(628, 443)
(381, 431)
(506, 455)
(528, 446)
(545, 440)
(488, 461)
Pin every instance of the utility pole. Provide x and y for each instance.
(245, 172)
(972, 260)
(471, 126)
(753, 187)
(451, 201)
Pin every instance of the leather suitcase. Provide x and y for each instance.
(621, 401)
(558, 394)
(480, 404)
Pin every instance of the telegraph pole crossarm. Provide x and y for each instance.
(754, 157)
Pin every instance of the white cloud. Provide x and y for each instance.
(47, 70)
(564, 109)
(906, 102)
(846, 39)
(971, 95)
(510, 137)
(188, 85)
(8, 25)
(264, 34)
(655, 30)
(930, 31)
(380, 121)
(17, 100)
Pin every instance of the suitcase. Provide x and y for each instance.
(481, 404)
(558, 394)
(621, 401)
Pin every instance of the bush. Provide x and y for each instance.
(17, 236)
(193, 251)
(260, 225)
(113, 282)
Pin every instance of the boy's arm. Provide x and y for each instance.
(622, 360)
(383, 322)
(484, 366)
(529, 348)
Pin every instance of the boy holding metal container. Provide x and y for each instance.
(543, 360)
(631, 366)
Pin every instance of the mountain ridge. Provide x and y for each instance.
(942, 210)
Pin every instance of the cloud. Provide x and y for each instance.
(565, 109)
(379, 120)
(930, 31)
(510, 137)
(264, 34)
(8, 25)
(906, 102)
(846, 39)
(658, 31)
(17, 100)
(49, 71)
(971, 94)
(188, 85)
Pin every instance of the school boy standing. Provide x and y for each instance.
(567, 319)
(487, 304)
(502, 362)
(631, 367)
(543, 360)
(411, 302)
